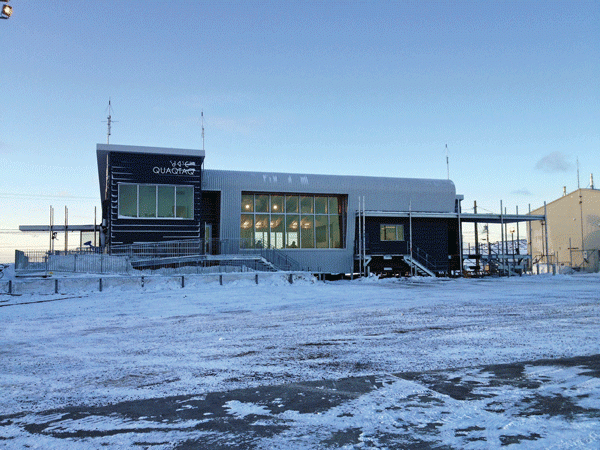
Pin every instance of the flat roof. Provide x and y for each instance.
(150, 150)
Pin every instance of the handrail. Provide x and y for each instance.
(424, 258)
(165, 249)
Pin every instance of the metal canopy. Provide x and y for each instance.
(469, 218)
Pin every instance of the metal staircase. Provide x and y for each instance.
(420, 269)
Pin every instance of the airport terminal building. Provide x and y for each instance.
(327, 223)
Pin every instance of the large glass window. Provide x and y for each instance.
(291, 221)
(156, 201)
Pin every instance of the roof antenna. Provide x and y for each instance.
(109, 121)
(202, 116)
(447, 163)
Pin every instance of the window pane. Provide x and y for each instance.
(261, 203)
(277, 230)
(247, 203)
(335, 232)
(147, 200)
(307, 232)
(247, 231)
(261, 231)
(307, 205)
(390, 232)
(322, 231)
(166, 201)
(277, 204)
(128, 200)
(400, 232)
(320, 205)
(292, 228)
(291, 204)
(333, 205)
(185, 202)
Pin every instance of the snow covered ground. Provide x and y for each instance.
(117, 346)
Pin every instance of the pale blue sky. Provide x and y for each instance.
(373, 88)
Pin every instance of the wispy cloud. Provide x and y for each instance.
(554, 162)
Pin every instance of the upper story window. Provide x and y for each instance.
(156, 201)
(391, 232)
(292, 221)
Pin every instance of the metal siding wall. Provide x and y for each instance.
(384, 194)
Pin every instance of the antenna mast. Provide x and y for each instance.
(447, 163)
(202, 116)
(109, 121)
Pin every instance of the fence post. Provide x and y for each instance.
(142, 280)
(291, 278)
(256, 278)
(56, 286)
(75, 263)
(221, 279)
(100, 284)
(10, 287)
(182, 281)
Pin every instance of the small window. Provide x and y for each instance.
(391, 232)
